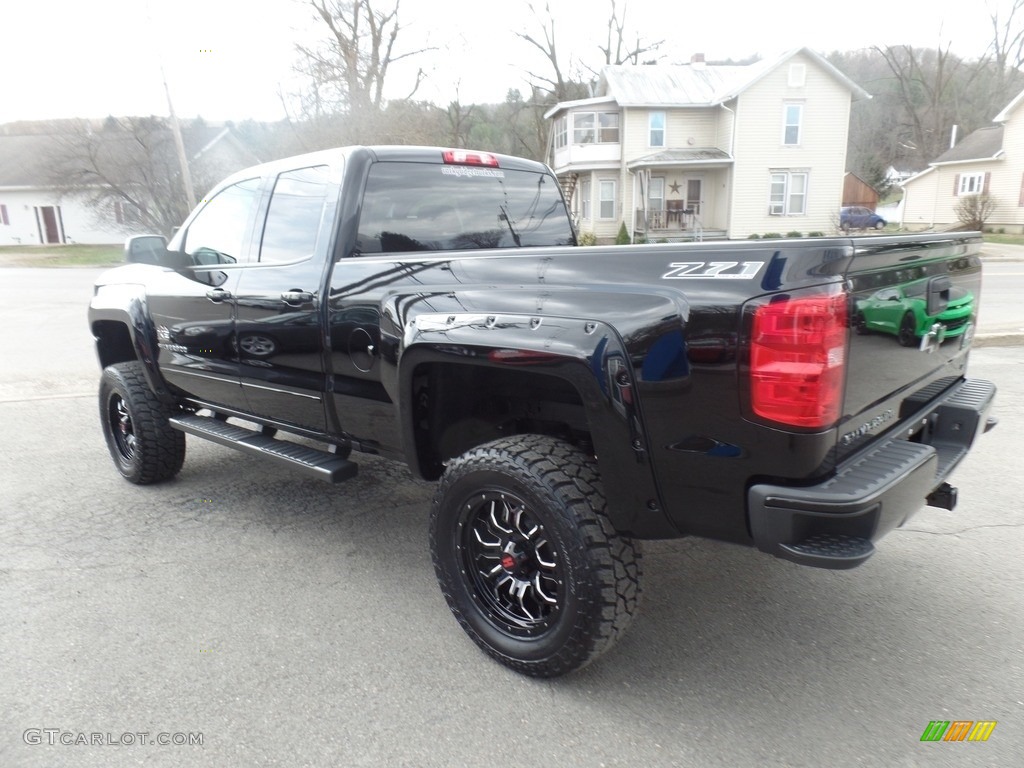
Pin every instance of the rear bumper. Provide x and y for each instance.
(834, 524)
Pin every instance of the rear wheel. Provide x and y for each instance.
(907, 333)
(144, 446)
(526, 556)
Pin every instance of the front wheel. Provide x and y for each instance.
(144, 446)
(879, 225)
(527, 558)
(907, 335)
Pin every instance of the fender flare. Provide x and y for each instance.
(588, 355)
(125, 304)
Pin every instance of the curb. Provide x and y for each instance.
(997, 340)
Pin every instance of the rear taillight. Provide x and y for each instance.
(798, 359)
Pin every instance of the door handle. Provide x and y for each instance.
(217, 295)
(295, 298)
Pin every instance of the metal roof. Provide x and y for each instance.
(673, 157)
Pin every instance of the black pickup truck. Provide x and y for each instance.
(801, 396)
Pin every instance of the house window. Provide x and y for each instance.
(595, 127)
(607, 200)
(608, 127)
(3, 216)
(797, 75)
(794, 114)
(656, 129)
(127, 213)
(585, 199)
(583, 128)
(971, 184)
(561, 132)
(788, 193)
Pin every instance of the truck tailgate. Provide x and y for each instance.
(914, 307)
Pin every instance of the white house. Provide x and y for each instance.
(989, 161)
(35, 208)
(701, 151)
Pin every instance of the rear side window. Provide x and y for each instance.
(295, 214)
(428, 207)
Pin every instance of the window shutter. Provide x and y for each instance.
(956, 185)
(1020, 200)
(984, 189)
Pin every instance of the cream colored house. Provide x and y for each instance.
(989, 161)
(702, 151)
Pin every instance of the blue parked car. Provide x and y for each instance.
(858, 217)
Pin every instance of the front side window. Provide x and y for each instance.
(971, 184)
(787, 194)
(585, 199)
(656, 129)
(607, 199)
(218, 233)
(432, 207)
(295, 214)
(793, 119)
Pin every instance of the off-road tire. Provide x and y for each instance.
(144, 446)
(533, 508)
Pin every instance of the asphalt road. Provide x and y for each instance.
(285, 622)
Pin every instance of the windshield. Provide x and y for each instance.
(430, 207)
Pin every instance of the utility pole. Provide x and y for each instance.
(179, 145)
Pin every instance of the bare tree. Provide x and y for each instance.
(558, 85)
(616, 50)
(1007, 37)
(930, 84)
(127, 169)
(349, 69)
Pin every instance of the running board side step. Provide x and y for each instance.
(317, 463)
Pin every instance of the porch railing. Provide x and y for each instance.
(666, 220)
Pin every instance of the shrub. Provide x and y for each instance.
(754, 236)
(586, 238)
(815, 234)
(973, 210)
(771, 236)
(794, 233)
(623, 237)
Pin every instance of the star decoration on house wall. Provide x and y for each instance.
(674, 186)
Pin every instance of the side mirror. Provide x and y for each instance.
(146, 249)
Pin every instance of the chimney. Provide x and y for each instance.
(697, 61)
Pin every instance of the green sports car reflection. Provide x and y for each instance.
(903, 312)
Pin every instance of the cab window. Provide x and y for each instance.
(295, 217)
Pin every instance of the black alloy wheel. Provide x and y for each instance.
(527, 558)
(144, 446)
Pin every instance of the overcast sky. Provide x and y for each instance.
(229, 59)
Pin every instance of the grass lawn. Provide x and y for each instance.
(61, 255)
(1007, 239)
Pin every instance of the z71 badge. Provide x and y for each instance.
(725, 270)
